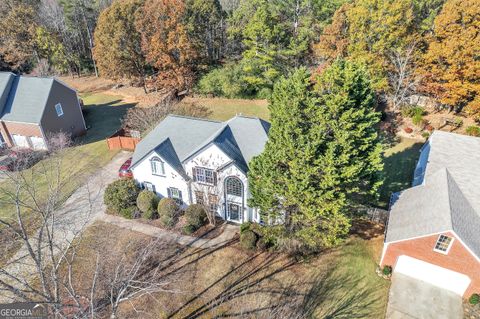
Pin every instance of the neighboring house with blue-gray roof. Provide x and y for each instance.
(34, 108)
(433, 230)
(202, 161)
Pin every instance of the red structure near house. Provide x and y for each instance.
(433, 230)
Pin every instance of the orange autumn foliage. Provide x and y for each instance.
(166, 43)
(451, 65)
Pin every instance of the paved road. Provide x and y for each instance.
(410, 298)
(81, 209)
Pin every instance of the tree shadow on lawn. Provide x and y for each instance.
(243, 280)
(103, 120)
(398, 172)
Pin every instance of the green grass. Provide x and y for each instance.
(90, 152)
(400, 161)
(351, 288)
(225, 109)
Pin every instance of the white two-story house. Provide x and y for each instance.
(202, 161)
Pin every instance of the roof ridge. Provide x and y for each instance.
(193, 118)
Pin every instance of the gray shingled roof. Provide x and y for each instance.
(240, 138)
(26, 97)
(448, 196)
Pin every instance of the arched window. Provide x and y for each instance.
(234, 186)
(158, 167)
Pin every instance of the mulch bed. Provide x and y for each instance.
(471, 312)
(206, 232)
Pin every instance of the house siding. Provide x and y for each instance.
(143, 173)
(71, 121)
(458, 259)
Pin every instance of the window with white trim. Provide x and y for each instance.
(176, 194)
(443, 244)
(158, 166)
(234, 186)
(149, 186)
(58, 109)
(204, 175)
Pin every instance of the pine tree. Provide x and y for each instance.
(323, 154)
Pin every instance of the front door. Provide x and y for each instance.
(234, 212)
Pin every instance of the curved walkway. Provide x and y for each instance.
(228, 233)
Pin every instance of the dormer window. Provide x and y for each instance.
(443, 244)
(158, 166)
(58, 109)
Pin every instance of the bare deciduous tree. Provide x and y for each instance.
(402, 78)
(144, 119)
(52, 206)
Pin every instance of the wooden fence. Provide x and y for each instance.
(120, 140)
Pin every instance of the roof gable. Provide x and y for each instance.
(27, 98)
(240, 138)
(449, 196)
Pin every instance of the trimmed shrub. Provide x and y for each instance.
(168, 211)
(121, 194)
(196, 216)
(474, 299)
(129, 212)
(147, 203)
(387, 270)
(473, 131)
(189, 229)
(261, 244)
(248, 240)
(245, 226)
(425, 135)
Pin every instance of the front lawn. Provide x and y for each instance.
(103, 114)
(230, 282)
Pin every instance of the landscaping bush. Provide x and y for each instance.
(195, 216)
(262, 244)
(413, 111)
(458, 122)
(474, 299)
(387, 270)
(227, 81)
(147, 203)
(168, 211)
(129, 212)
(473, 131)
(417, 120)
(121, 194)
(248, 240)
(425, 135)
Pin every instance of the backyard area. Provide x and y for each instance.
(231, 282)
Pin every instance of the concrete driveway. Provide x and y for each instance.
(410, 298)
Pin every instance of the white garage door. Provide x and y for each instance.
(38, 143)
(435, 275)
(20, 140)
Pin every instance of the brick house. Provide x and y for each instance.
(433, 230)
(33, 108)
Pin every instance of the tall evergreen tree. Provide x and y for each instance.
(323, 153)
